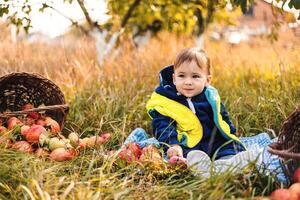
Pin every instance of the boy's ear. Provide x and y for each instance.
(174, 82)
(208, 80)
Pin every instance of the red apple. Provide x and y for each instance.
(135, 148)
(173, 160)
(126, 155)
(6, 142)
(41, 122)
(95, 141)
(150, 153)
(34, 115)
(295, 188)
(150, 149)
(296, 176)
(22, 146)
(283, 194)
(130, 152)
(83, 142)
(27, 106)
(105, 137)
(55, 127)
(2, 130)
(29, 121)
(34, 132)
(24, 130)
(13, 121)
(62, 154)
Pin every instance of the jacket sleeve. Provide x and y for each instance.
(164, 128)
(226, 118)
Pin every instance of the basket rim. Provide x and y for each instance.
(30, 74)
(44, 108)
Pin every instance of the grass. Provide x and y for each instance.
(259, 83)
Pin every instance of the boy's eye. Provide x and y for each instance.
(181, 75)
(196, 76)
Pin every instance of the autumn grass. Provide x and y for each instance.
(258, 82)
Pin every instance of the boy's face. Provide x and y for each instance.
(190, 79)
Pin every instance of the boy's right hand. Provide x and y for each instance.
(175, 150)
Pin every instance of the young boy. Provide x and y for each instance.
(192, 123)
(187, 113)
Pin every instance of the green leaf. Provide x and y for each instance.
(4, 10)
(44, 6)
(295, 4)
(68, 1)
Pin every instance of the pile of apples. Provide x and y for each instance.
(291, 193)
(133, 152)
(39, 134)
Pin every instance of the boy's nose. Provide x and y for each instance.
(188, 82)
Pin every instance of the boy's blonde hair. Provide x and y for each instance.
(193, 54)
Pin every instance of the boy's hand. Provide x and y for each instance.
(175, 150)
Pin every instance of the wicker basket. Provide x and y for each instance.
(288, 145)
(17, 89)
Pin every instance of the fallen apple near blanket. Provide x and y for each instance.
(291, 193)
(283, 194)
(148, 155)
(178, 162)
(296, 176)
(295, 188)
(130, 152)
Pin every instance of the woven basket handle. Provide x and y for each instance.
(284, 153)
(63, 107)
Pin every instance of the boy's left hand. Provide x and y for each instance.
(175, 150)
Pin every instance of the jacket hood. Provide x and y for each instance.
(166, 86)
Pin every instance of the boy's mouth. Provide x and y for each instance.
(188, 89)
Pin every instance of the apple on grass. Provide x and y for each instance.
(295, 188)
(22, 146)
(12, 122)
(283, 194)
(130, 152)
(62, 154)
(54, 126)
(34, 132)
(296, 176)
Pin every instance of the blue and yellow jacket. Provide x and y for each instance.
(197, 123)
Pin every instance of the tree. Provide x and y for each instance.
(136, 17)
(179, 16)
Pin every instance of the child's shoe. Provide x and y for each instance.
(200, 162)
